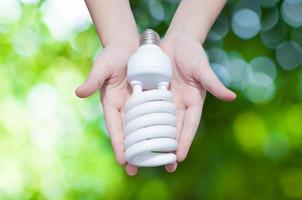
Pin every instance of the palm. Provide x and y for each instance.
(188, 93)
(115, 93)
(192, 77)
(115, 90)
(109, 76)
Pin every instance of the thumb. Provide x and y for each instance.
(210, 81)
(98, 75)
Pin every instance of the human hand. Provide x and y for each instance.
(192, 78)
(108, 75)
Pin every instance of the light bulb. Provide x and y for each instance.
(150, 124)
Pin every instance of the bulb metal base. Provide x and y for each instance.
(149, 36)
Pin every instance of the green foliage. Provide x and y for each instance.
(54, 145)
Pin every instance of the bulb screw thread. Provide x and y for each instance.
(149, 36)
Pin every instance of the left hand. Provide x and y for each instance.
(192, 78)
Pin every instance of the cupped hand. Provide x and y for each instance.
(192, 78)
(108, 75)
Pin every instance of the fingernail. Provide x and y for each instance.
(171, 167)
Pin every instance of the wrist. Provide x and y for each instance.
(175, 34)
(130, 40)
(179, 31)
(195, 18)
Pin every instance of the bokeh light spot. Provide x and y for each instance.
(12, 113)
(292, 121)
(239, 72)
(260, 89)
(265, 65)
(274, 36)
(221, 72)
(46, 127)
(250, 132)
(11, 180)
(245, 23)
(10, 11)
(217, 55)
(289, 55)
(27, 42)
(156, 10)
(291, 12)
(269, 18)
(62, 25)
(220, 29)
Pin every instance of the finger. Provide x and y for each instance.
(180, 112)
(180, 109)
(131, 170)
(189, 128)
(114, 126)
(171, 167)
(210, 81)
(97, 76)
(179, 121)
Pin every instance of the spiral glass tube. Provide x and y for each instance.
(150, 124)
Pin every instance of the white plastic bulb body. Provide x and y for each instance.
(150, 122)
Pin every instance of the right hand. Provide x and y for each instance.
(108, 75)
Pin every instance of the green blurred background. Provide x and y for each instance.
(54, 145)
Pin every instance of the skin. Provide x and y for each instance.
(192, 78)
(192, 75)
(108, 74)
